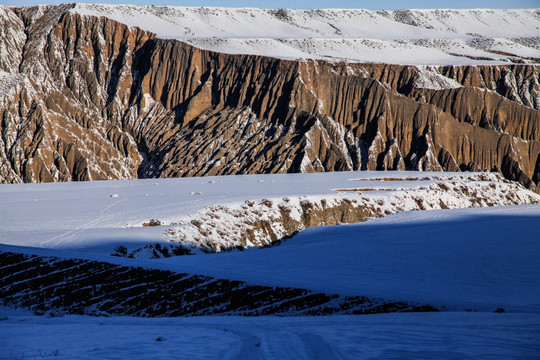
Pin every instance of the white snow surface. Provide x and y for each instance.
(456, 335)
(96, 216)
(478, 259)
(418, 37)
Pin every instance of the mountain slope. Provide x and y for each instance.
(88, 98)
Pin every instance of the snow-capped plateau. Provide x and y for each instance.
(418, 37)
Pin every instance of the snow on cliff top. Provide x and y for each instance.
(420, 37)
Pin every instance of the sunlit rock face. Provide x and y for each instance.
(88, 98)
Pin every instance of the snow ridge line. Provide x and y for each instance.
(421, 37)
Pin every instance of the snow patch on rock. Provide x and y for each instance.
(430, 78)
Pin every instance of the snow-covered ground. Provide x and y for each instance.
(479, 259)
(98, 216)
(418, 37)
(388, 336)
(468, 259)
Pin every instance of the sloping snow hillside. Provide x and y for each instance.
(467, 259)
(478, 259)
(219, 212)
(461, 259)
(418, 37)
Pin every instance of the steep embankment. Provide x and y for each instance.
(88, 98)
(268, 221)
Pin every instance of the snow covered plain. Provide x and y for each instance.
(463, 335)
(477, 259)
(417, 37)
(96, 217)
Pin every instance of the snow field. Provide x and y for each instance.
(478, 259)
(388, 336)
(222, 227)
(216, 211)
(418, 37)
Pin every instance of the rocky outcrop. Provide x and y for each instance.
(259, 223)
(87, 98)
(55, 125)
(467, 122)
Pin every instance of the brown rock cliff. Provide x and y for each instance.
(86, 98)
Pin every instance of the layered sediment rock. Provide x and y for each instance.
(87, 98)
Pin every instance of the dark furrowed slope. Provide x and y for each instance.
(96, 288)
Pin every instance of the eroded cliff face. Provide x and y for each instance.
(56, 122)
(87, 98)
